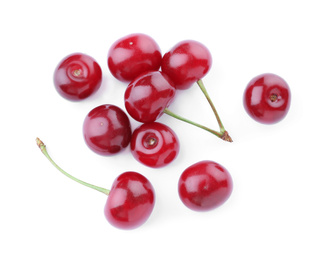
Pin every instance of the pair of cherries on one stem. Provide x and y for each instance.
(202, 186)
(150, 91)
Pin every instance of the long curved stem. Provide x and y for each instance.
(221, 135)
(43, 149)
(204, 91)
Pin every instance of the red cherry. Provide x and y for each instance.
(154, 144)
(148, 95)
(130, 201)
(107, 130)
(186, 63)
(204, 186)
(133, 55)
(267, 98)
(77, 77)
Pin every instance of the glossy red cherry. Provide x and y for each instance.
(186, 63)
(148, 95)
(107, 130)
(77, 77)
(133, 55)
(130, 201)
(154, 144)
(204, 186)
(267, 98)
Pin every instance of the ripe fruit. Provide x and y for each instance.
(130, 201)
(204, 186)
(186, 63)
(148, 95)
(77, 77)
(133, 55)
(154, 144)
(267, 98)
(107, 130)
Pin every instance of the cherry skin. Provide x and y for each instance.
(267, 98)
(148, 95)
(154, 144)
(133, 55)
(107, 130)
(204, 186)
(130, 201)
(77, 77)
(186, 63)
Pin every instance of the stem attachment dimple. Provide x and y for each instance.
(43, 149)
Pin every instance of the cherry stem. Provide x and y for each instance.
(43, 149)
(223, 135)
(204, 91)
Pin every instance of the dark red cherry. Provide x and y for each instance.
(267, 98)
(186, 63)
(133, 55)
(130, 201)
(154, 144)
(77, 77)
(107, 130)
(148, 95)
(204, 186)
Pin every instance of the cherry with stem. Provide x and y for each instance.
(131, 188)
(159, 92)
(185, 64)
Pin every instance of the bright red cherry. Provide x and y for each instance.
(204, 186)
(130, 201)
(148, 95)
(186, 63)
(154, 144)
(77, 77)
(107, 130)
(133, 55)
(267, 98)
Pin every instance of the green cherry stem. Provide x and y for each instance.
(43, 149)
(221, 126)
(204, 91)
(223, 135)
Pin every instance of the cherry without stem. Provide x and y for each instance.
(267, 98)
(130, 201)
(154, 144)
(77, 77)
(107, 130)
(133, 55)
(204, 186)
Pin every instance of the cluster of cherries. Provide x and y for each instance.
(153, 81)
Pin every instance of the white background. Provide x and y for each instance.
(275, 208)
